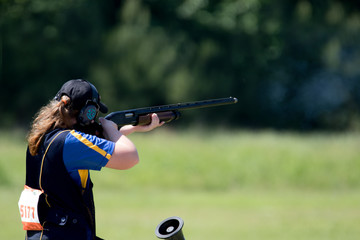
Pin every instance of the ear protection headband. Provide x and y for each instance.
(91, 108)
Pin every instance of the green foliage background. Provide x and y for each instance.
(292, 64)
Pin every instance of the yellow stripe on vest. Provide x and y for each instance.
(90, 144)
(84, 174)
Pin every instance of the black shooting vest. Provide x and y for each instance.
(65, 211)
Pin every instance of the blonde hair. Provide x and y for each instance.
(56, 114)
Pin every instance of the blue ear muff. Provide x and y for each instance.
(91, 108)
(87, 114)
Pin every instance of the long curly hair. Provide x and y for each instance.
(56, 114)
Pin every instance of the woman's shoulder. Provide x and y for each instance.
(76, 136)
(56, 134)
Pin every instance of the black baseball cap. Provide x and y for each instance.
(80, 92)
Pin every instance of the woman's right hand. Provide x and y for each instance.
(110, 129)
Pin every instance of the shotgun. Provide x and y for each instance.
(166, 113)
(142, 116)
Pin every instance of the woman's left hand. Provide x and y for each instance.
(155, 123)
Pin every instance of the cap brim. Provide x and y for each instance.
(103, 108)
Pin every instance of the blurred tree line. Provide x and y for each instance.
(291, 64)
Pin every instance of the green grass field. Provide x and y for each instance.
(224, 185)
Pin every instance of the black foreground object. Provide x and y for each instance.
(170, 229)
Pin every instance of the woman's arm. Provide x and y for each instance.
(155, 122)
(125, 154)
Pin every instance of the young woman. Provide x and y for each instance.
(57, 201)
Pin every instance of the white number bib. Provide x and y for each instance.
(28, 207)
